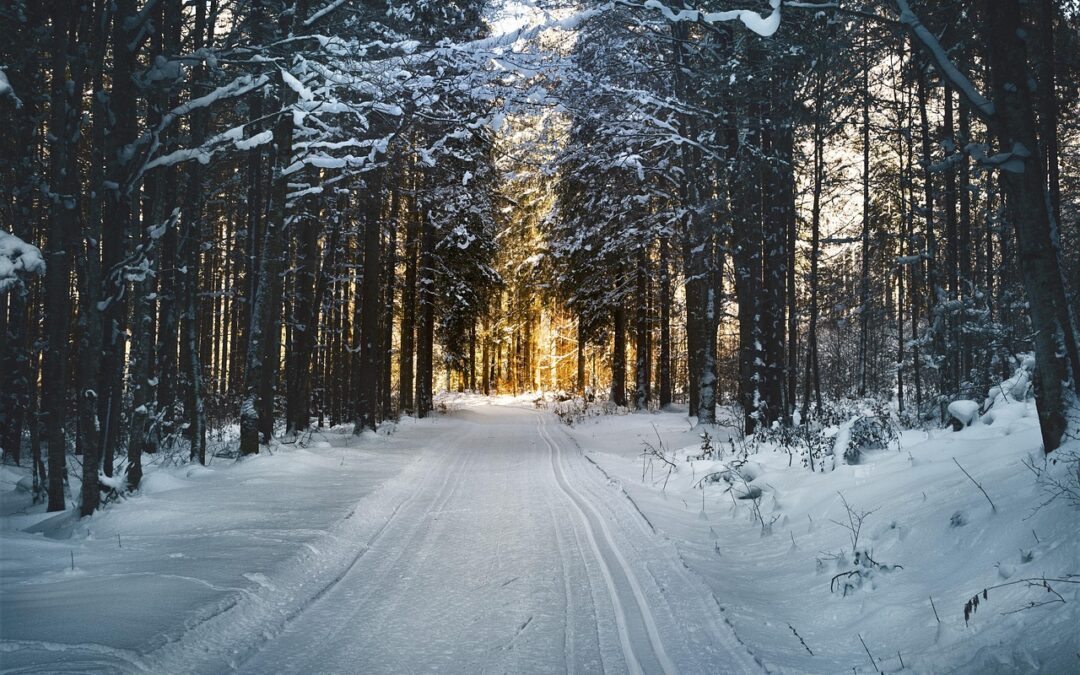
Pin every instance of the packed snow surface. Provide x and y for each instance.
(496, 547)
(494, 538)
(928, 527)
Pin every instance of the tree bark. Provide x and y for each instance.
(263, 345)
(618, 356)
(642, 389)
(371, 307)
(63, 211)
(664, 363)
(425, 329)
(1024, 179)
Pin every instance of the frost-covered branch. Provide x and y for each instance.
(979, 103)
(17, 258)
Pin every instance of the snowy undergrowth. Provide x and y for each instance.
(120, 591)
(834, 571)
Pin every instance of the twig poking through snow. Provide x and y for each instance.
(867, 651)
(992, 507)
(801, 641)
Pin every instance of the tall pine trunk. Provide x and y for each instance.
(425, 329)
(263, 344)
(1030, 209)
(63, 213)
(642, 390)
(371, 307)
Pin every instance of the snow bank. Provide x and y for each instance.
(784, 566)
(139, 584)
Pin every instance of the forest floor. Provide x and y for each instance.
(495, 539)
(781, 565)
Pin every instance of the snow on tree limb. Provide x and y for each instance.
(17, 258)
(765, 26)
(296, 85)
(7, 90)
(323, 12)
(983, 106)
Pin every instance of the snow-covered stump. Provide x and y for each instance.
(963, 413)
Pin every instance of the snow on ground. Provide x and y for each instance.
(491, 545)
(193, 543)
(492, 538)
(928, 519)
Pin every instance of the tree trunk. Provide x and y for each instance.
(263, 345)
(934, 295)
(618, 356)
(580, 380)
(23, 142)
(190, 245)
(864, 285)
(408, 312)
(664, 363)
(371, 307)
(642, 392)
(812, 379)
(305, 316)
(425, 329)
(1024, 180)
(90, 328)
(389, 289)
(63, 205)
(951, 364)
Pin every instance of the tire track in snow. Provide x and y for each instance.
(229, 638)
(744, 658)
(614, 575)
(442, 496)
(119, 658)
(569, 638)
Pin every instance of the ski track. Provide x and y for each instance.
(501, 551)
(627, 623)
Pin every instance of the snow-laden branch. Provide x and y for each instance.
(764, 26)
(982, 106)
(238, 87)
(7, 90)
(17, 258)
(323, 12)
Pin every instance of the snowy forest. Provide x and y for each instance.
(728, 247)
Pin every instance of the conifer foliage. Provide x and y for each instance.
(279, 213)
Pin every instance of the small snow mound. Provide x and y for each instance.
(198, 470)
(260, 579)
(160, 481)
(964, 412)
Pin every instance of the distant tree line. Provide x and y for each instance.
(863, 204)
(279, 213)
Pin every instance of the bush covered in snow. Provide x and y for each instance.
(840, 431)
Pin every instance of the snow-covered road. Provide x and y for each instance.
(481, 541)
(512, 555)
(485, 540)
